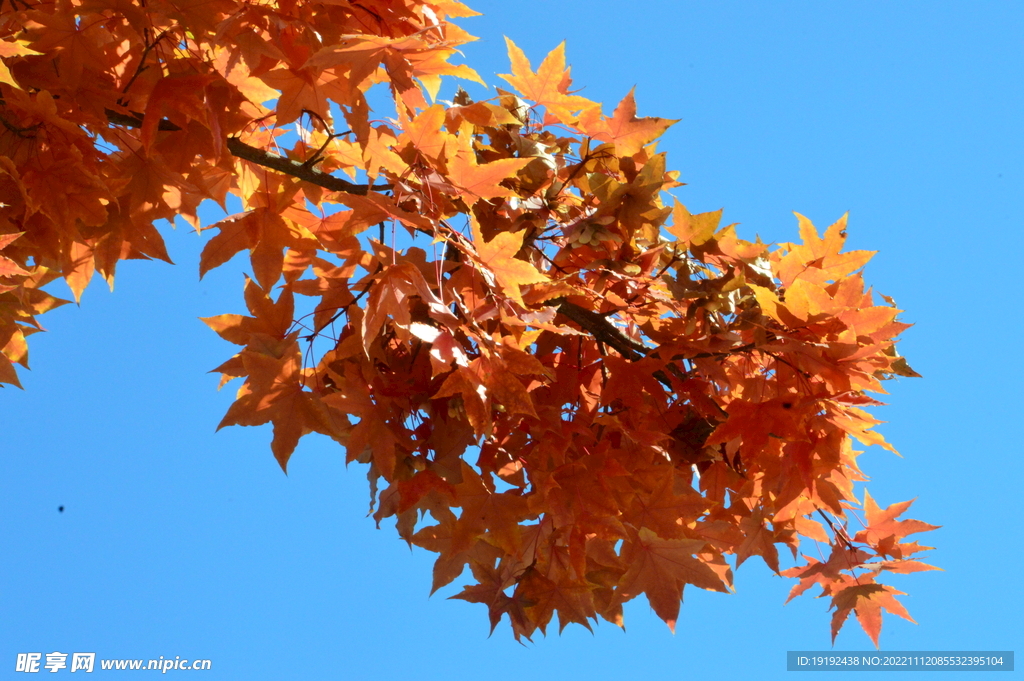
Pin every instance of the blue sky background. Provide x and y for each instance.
(176, 540)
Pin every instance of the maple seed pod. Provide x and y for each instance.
(456, 410)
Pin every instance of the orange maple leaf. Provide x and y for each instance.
(301, 90)
(264, 233)
(627, 132)
(9, 268)
(498, 255)
(882, 524)
(661, 568)
(549, 86)
(693, 229)
(867, 600)
(426, 134)
(180, 98)
(481, 181)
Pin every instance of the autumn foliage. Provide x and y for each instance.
(580, 391)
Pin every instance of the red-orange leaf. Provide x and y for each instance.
(9, 268)
(661, 568)
(867, 601)
(883, 523)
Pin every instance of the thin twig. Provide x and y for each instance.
(840, 536)
(141, 67)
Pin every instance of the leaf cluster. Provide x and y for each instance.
(556, 379)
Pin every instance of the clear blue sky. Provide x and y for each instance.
(177, 540)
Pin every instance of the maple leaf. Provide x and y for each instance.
(426, 134)
(498, 255)
(499, 513)
(391, 297)
(693, 230)
(411, 492)
(882, 524)
(269, 318)
(265, 233)
(9, 268)
(301, 90)
(867, 600)
(759, 540)
(481, 181)
(549, 86)
(174, 97)
(573, 602)
(664, 511)
(825, 574)
(374, 437)
(661, 568)
(819, 258)
(490, 590)
(293, 411)
(627, 132)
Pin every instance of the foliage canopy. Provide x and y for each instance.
(645, 394)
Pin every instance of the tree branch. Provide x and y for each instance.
(134, 120)
(598, 325)
(601, 329)
(605, 332)
(240, 149)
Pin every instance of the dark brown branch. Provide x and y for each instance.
(266, 159)
(601, 329)
(134, 120)
(605, 332)
(241, 150)
(839, 533)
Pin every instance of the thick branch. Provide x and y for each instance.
(603, 330)
(266, 159)
(134, 120)
(606, 332)
(241, 150)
